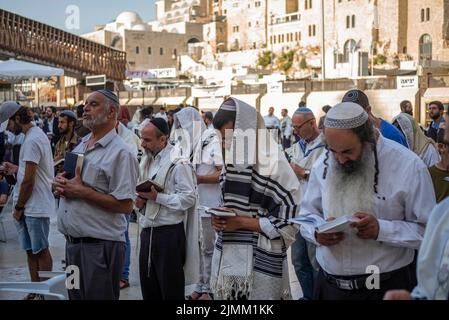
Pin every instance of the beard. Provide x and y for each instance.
(349, 187)
(434, 116)
(95, 121)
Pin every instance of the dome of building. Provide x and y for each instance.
(129, 17)
(140, 27)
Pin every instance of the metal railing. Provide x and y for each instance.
(39, 42)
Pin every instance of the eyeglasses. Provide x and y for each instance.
(297, 128)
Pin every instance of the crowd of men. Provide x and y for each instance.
(291, 174)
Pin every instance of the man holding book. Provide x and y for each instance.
(69, 139)
(166, 224)
(386, 187)
(93, 204)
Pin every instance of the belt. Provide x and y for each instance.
(356, 282)
(73, 240)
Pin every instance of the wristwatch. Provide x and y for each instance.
(306, 174)
(19, 208)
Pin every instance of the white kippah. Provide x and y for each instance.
(346, 115)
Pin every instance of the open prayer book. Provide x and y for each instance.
(145, 186)
(221, 212)
(340, 224)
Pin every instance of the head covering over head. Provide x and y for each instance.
(8, 109)
(191, 122)
(110, 95)
(68, 113)
(416, 139)
(161, 124)
(302, 110)
(357, 96)
(346, 115)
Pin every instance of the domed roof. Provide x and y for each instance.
(129, 17)
(140, 27)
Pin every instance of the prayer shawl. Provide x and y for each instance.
(246, 263)
(191, 218)
(433, 258)
(416, 139)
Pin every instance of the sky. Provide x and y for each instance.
(91, 12)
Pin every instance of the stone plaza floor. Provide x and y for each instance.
(13, 265)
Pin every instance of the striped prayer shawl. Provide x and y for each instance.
(250, 264)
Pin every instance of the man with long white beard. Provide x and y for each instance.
(163, 250)
(386, 188)
(93, 204)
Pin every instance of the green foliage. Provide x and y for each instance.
(285, 60)
(303, 63)
(264, 59)
(380, 59)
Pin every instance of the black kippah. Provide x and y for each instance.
(161, 124)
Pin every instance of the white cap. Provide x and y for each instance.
(346, 115)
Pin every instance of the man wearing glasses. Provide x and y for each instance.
(304, 154)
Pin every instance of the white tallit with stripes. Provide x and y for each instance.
(245, 263)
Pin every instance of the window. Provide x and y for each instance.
(428, 14)
(425, 50)
(149, 50)
(257, 4)
(348, 22)
(137, 50)
(161, 51)
(312, 30)
(279, 38)
(348, 49)
(249, 24)
(288, 37)
(235, 29)
(175, 52)
(271, 39)
(353, 21)
(422, 15)
(308, 4)
(282, 38)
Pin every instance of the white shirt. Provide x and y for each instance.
(130, 138)
(36, 148)
(305, 155)
(211, 157)
(286, 127)
(402, 206)
(430, 156)
(178, 196)
(271, 122)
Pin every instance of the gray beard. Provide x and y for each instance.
(349, 193)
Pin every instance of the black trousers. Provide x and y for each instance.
(164, 280)
(100, 265)
(400, 279)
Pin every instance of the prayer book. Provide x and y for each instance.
(145, 186)
(71, 162)
(340, 224)
(221, 212)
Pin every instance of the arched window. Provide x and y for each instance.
(348, 50)
(425, 50)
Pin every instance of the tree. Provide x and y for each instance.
(264, 59)
(303, 63)
(285, 60)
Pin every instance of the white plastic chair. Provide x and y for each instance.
(52, 289)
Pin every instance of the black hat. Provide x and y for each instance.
(357, 96)
(161, 124)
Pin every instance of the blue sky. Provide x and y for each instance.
(92, 12)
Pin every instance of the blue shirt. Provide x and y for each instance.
(389, 131)
(3, 187)
(436, 125)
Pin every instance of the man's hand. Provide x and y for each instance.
(226, 224)
(367, 226)
(71, 189)
(152, 195)
(18, 215)
(329, 239)
(10, 169)
(140, 202)
(299, 171)
(397, 295)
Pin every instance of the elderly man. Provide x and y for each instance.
(385, 188)
(93, 204)
(432, 266)
(250, 257)
(164, 246)
(305, 152)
